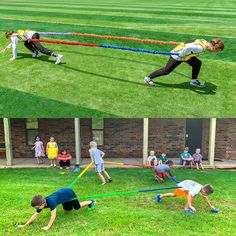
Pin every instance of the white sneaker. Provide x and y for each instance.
(197, 83)
(148, 81)
(61, 168)
(36, 55)
(51, 165)
(59, 57)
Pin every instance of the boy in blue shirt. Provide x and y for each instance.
(185, 157)
(64, 196)
(163, 170)
(96, 156)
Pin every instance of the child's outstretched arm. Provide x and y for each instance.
(91, 155)
(208, 202)
(53, 217)
(103, 154)
(30, 221)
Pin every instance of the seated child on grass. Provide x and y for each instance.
(63, 196)
(96, 156)
(197, 159)
(64, 159)
(163, 159)
(185, 157)
(163, 170)
(189, 189)
(152, 159)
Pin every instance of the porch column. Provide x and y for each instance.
(145, 140)
(77, 141)
(212, 137)
(8, 141)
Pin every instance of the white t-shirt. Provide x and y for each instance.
(192, 187)
(190, 48)
(152, 158)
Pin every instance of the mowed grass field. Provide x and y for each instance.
(97, 82)
(133, 214)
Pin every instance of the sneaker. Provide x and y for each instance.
(197, 83)
(51, 165)
(189, 211)
(159, 180)
(92, 204)
(158, 198)
(61, 168)
(110, 180)
(55, 165)
(59, 57)
(36, 54)
(148, 81)
(104, 183)
(67, 168)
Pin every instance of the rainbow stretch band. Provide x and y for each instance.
(102, 46)
(125, 192)
(80, 175)
(108, 37)
(139, 165)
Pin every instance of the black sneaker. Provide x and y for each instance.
(197, 83)
(110, 180)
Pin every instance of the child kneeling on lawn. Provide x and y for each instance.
(163, 170)
(96, 156)
(64, 196)
(189, 189)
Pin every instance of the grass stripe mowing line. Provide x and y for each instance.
(167, 19)
(133, 5)
(110, 9)
(41, 27)
(126, 19)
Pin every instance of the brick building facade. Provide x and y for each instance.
(124, 137)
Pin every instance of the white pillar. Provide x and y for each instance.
(145, 140)
(8, 142)
(212, 138)
(77, 141)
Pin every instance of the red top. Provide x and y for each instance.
(64, 156)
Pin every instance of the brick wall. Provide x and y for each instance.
(167, 135)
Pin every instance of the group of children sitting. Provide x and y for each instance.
(163, 166)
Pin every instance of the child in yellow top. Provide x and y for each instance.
(52, 151)
(188, 52)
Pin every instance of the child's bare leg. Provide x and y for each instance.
(167, 195)
(101, 178)
(184, 162)
(191, 164)
(85, 203)
(51, 162)
(107, 175)
(37, 160)
(201, 166)
(197, 166)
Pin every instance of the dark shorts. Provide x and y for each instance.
(197, 162)
(68, 206)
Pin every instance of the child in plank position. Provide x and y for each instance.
(34, 47)
(152, 159)
(63, 196)
(188, 52)
(189, 189)
(163, 170)
(96, 156)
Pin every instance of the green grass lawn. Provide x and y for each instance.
(135, 214)
(97, 82)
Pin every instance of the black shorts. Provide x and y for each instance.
(197, 162)
(68, 206)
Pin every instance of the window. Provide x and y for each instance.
(31, 130)
(97, 131)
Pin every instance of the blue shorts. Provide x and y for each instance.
(99, 167)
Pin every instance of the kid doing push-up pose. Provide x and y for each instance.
(34, 47)
(188, 52)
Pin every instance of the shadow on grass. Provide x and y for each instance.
(125, 59)
(16, 104)
(210, 88)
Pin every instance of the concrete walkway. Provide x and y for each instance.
(31, 163)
